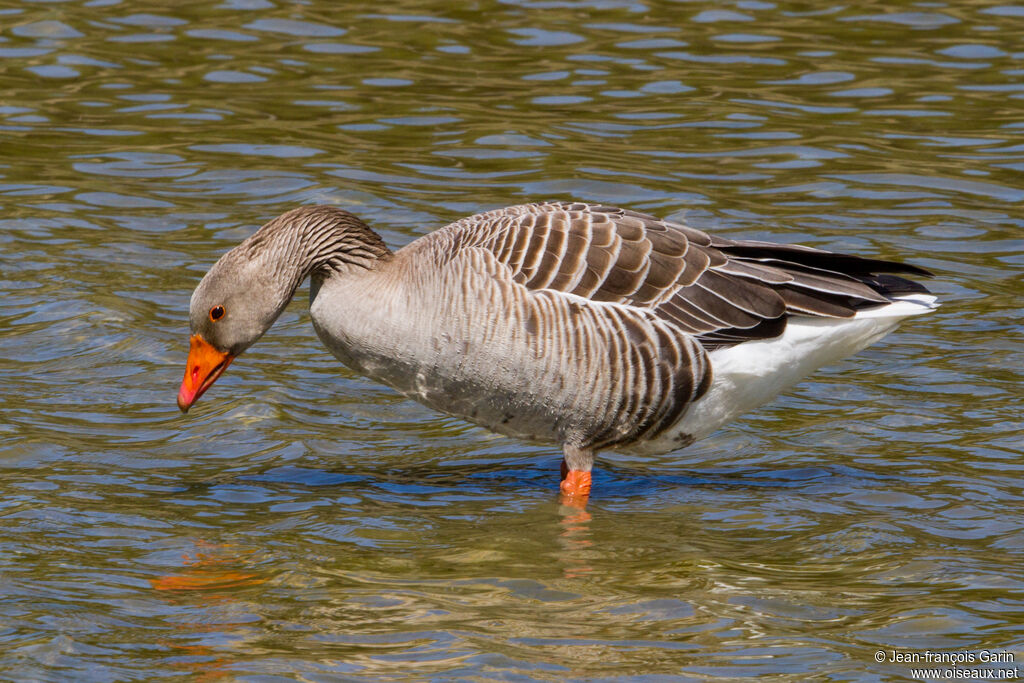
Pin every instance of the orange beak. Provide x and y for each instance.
(204, 365)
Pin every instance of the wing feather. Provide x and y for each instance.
(718, 290)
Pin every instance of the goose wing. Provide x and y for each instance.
(721, 291)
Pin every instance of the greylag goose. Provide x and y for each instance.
(586, 326)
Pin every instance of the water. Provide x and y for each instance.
(305, 524)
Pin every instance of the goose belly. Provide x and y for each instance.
(489, 374)
(494, 392)
(500, 402)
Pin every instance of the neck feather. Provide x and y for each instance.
(318, 241)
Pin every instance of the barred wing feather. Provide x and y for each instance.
(721, 291)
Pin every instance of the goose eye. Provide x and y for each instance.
(216, 313)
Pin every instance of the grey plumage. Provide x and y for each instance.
(589, 326)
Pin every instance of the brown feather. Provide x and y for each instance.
(721, 291)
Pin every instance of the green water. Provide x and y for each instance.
(305, 524)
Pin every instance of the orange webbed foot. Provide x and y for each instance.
(575, 488)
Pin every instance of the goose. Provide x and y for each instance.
(586, 326)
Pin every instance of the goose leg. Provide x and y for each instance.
(576, 467)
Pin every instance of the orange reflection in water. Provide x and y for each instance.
(575, 538)
(207, 572)
(212, 569)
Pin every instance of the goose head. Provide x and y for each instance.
(249, 287)
(235, 303)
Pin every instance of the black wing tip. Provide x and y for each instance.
(891, 285)
(818, 258)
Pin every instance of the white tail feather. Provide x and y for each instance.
(750, 374)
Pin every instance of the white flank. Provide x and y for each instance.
(750, 374)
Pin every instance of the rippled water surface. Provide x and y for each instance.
(305, 524)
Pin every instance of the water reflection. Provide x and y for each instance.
(211, 568)
(575, 540)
